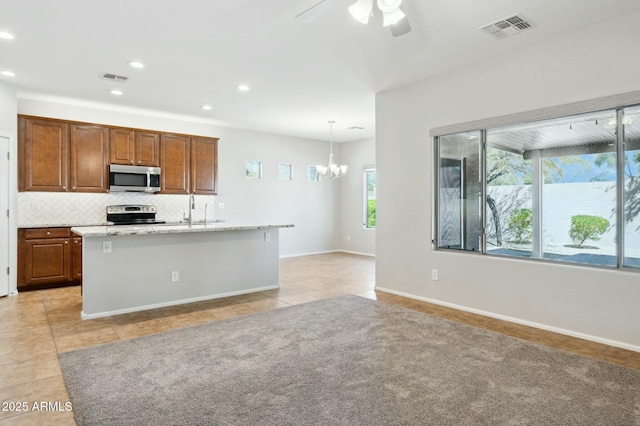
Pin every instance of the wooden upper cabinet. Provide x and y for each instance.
(175, 157)
(55, 155)
(122, 146)
(44, 154)
(135, 148)
(89, 146)
(204, 165)
(147, 149)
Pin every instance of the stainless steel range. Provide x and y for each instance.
(132, 214)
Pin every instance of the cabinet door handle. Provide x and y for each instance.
(74, 187)
(48, 233)
(66, 242)
(64, 187)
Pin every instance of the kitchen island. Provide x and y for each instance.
(133, 268)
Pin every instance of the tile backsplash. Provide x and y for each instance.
(71, 208)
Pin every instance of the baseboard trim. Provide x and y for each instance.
(308, 254)
(358, 253)
(174, 302)
(326, 252)
(558, 330)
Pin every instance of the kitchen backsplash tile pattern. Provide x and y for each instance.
(56, 208)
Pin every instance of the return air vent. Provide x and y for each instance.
(507, 27)
(114, 77)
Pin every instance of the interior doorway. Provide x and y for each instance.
(4, 215)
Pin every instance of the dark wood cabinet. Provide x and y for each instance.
(175, 156)
(204, 165)
(189, 164)
(43, 151)
(122, 146)
(56, 155)
(147, 149)
(88, 166)
(76, 257)
(59, 156)
(134, 147)
(46, 258)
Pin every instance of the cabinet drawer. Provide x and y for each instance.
(38, 233)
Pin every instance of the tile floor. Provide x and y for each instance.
(35, 326)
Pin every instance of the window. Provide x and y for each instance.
(285, 172)
(253, 169)
(370, 198)
(312, 174)
(552, 190)
(459, 190)
(631, 186)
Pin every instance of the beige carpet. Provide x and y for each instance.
(345, 361)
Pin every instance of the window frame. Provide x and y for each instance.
(365, 171)
(521, 119)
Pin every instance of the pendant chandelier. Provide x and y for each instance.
(332, 170)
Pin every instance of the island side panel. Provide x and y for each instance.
(136, 275)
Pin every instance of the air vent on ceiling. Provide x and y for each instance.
(114, 77)
(507, 27)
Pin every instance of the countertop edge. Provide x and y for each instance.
(104, 231)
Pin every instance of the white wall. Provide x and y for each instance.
(356, 155)
(266, 200)
(590, 302)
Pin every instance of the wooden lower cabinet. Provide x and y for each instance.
(76, 257)
(46, 258)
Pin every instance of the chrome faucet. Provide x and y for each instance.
(192, 206)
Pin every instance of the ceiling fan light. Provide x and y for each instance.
(361, 10)
(390, 18)
(388, 6)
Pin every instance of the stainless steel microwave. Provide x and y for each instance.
(134, 178)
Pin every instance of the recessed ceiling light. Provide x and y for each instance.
(243, 88)
(117, 92)
(206, 107)
(8, 73)
(6, 36)
(136, 64)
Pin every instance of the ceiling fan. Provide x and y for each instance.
(392, 16)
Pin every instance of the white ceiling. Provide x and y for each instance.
(301, 75)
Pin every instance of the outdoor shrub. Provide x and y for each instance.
(521, 224)
(585, 227)
(371, 214)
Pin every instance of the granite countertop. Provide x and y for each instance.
(169, 228)
(64, 225)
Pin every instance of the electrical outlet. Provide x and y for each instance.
(221, 206)
(267, 237)
(106, 246)
(348, 237)
(434, 274)
(175, 276)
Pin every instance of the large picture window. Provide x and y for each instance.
(459, 191)
(553, 189)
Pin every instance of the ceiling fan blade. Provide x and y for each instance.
(317, 10)
(401, 27)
